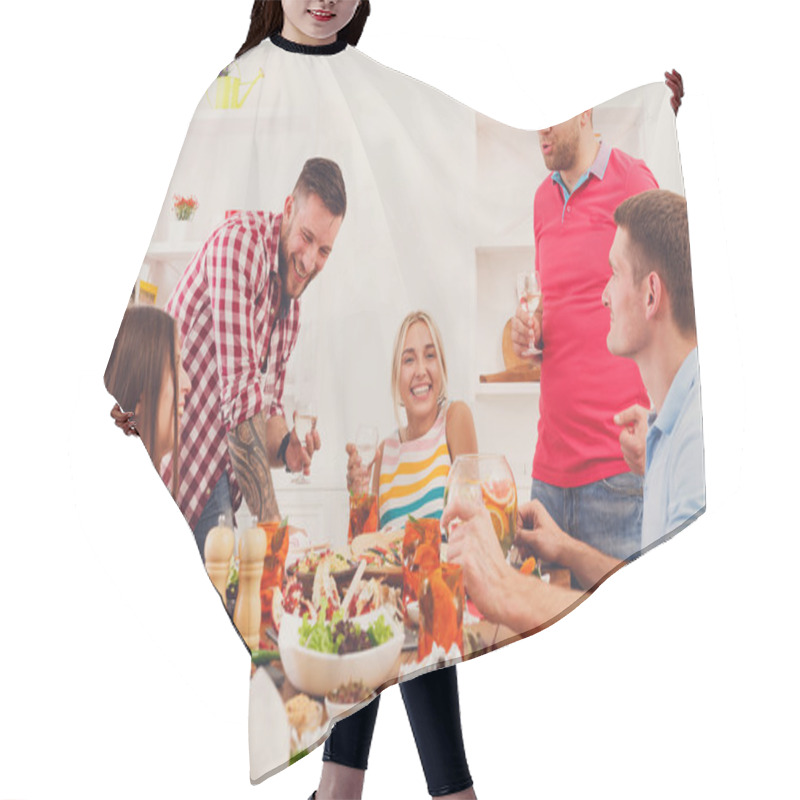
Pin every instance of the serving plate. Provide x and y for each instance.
(343, 577)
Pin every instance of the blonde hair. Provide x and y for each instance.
(436, 337)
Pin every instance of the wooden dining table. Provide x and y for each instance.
(480, 636)
(487, 636)
(271, 736)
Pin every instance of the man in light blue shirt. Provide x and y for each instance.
(674, 489)
(651, 302)
(652, 321)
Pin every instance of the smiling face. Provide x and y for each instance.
(316, 22)
(308, 232)
(420, 375)
(626, 299)
(165, 425)
(560, 145)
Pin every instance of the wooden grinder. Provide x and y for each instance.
(247, 614)
(217, 554)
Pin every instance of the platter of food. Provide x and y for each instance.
(383, 554)
(304, 569)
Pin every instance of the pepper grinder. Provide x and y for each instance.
(247, 614)
(217, 554)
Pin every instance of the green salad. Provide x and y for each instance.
(341, 636)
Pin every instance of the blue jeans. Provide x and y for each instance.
(218, 503)
(606, 514)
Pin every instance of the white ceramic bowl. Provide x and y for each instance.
(319, 673)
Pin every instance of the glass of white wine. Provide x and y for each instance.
(528, 293)
(305, 421)
(366, 443)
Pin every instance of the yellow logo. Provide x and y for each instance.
(230, 91)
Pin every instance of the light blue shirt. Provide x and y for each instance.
(598, 169)
(674, 482)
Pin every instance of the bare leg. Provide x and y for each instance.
(342, 783)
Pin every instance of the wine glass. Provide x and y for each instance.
(528, 293)
(366, 443)
(305, 420)
(487, 480)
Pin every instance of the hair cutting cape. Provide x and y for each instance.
(439, 217)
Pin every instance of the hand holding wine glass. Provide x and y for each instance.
(305, 434)
(363, 503)
(366, 443)
(485, 481)
(527, 325)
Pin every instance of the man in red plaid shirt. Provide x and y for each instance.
(238, 314)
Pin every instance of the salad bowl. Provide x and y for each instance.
(318, 673)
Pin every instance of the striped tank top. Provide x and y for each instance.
(413, 475)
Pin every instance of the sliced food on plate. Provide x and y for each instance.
(383, 551)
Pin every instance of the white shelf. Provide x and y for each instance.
(530, 388)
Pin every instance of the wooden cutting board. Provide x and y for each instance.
(517, 370)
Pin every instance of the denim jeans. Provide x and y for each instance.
(219, 502)
(606, 514)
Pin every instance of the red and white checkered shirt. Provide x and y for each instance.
(236, 342)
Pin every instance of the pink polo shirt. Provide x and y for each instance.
(582, 385)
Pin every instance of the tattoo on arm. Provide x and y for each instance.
(247, 447)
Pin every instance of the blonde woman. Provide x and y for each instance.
(435, 431)
(409, 477)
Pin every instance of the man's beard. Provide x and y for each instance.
(283, 274)
(564, 154)
(283, 262)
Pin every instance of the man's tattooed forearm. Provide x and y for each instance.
(247, 447)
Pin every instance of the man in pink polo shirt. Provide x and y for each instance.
(579, 473)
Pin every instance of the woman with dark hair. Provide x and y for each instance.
(144, 373)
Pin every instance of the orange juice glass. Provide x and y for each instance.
(500, 500)
(421, 547)
(272, 577)
(363, 514)
(441, 609)
(483, 479)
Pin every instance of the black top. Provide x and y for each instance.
(308, 49)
